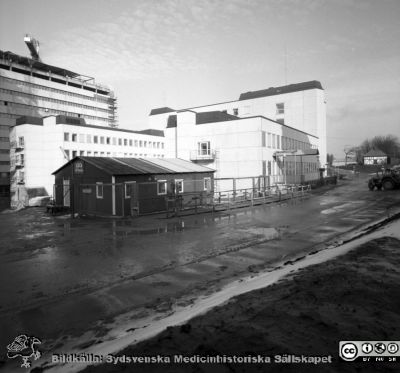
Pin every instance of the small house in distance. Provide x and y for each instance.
(375, 156)
(130, 186)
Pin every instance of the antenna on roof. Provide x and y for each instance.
(33, 46)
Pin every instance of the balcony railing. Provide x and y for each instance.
(202, 155)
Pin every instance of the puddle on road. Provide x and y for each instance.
(341, 207)
(268, 233)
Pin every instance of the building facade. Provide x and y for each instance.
(375, 156)
(130, 186)
(29, 87)
(243, 148)
(41, 145)
(300, 106)
(293, 117)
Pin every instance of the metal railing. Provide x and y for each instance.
(254, 196)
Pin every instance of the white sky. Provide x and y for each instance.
(183, 53)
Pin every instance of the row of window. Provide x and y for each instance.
(55, 90)
(74, 153)
(270, 168)
(300, 168)
(274, 141)
(105, 140)
(55, 111)
(161, 187)
(49, 99)
(280, 110)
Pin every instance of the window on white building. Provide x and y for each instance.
(125, 142)
(66, 136)
(74, 153)
(280, 108)
(203, 148)
(161, 187)
(74, 137)
(82, 153)
(278, 145)
(108, 140)
(280, 120)
(235, 111)
(95, 139)
(263, 139)
(130, 142)
(273, 141)
(119, 141)
(269, 140)
(81, 137)
(89, 138)
(245, 110)
(101, 139)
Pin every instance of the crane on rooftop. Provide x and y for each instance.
(33, 46)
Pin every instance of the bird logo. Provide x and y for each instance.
(24, 346)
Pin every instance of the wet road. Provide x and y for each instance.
(62, 277)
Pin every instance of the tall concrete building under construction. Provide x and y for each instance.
(30, 87)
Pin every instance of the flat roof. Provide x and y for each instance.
(274, 91)
(208, 117)
(80, 122)
(271, 91)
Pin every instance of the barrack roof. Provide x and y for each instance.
(141, 166)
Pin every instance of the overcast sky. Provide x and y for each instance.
(183, 53)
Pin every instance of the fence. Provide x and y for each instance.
(255, 196)
(132, 199)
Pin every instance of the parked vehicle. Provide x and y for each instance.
(387, 179)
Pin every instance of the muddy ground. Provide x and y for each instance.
(354, 297)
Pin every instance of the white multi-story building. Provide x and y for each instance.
(301, 106)
(243, 148)
(29, 87)
(253, 136)
(39, 146)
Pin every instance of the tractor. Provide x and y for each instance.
(387, 179)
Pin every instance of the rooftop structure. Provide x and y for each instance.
(31, 87)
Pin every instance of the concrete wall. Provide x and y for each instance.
(44, 145)
(304, 111)
(242, 148)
